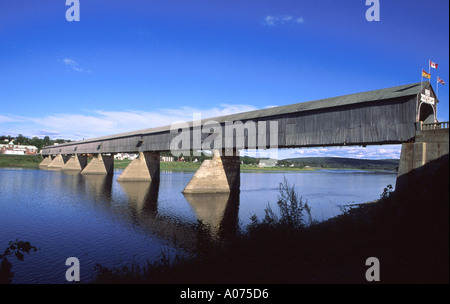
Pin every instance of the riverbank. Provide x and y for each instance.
(33, 161)
(190, 166)
(20, 161)
(407, 232)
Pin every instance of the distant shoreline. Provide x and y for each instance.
(33, 161)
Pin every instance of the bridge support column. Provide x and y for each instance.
(100, 164)
(45, 162)
(429, 145)
(221, 174)
(143, 168)
(58, 162)
(76, 163)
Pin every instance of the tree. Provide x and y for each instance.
(35, 141)
(18, 248)
(46, 141)
(22, 140)
(291, 209)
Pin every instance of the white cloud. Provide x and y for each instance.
(97, 123)
(269, 20)
(277, 20)
(369, 152)
(9, 119)
(186, 113)
(70, 62)
(75, 65)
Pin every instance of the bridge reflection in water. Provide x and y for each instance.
(218, 213)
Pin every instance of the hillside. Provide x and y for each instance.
(344, 163)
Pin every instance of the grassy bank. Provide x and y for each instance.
(33, 161)
(407, 231)
(190, 166)
(20, 161)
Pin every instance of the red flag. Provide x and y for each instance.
(441, 81)
(433, 65)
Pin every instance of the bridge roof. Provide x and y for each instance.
(364, 97)
(376, 95)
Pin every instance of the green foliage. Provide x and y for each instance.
(35, 141)
(387, 192)
(292, 211)
(22, 161)
(17, 249)
(343, 163)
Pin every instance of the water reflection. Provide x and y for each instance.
(100, 220)
(99, 187)
(218, 212)
(142, 196)
(71, 179)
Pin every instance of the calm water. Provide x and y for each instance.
(99, 220)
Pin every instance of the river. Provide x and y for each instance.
(99, 220)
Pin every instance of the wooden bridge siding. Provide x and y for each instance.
(389, 121)
(380, 122)
(109, 146)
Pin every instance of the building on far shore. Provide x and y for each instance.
(122, 156)
(131, 156)
(11, 148)
(164, 158)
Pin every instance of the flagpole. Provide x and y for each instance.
(437, 88)
(429, 68)
(437, 96)
(421, 80)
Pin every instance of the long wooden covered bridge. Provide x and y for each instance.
(387, 116)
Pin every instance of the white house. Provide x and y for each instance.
(13, 149)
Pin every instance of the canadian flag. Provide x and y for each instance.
(434, 65)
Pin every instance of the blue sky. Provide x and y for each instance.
(125, 67)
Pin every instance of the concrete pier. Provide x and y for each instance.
(45, 162)
(58, 162)
(75, 163)
(428, 146)
(221, 174)
(100, 164)
(144, 168)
